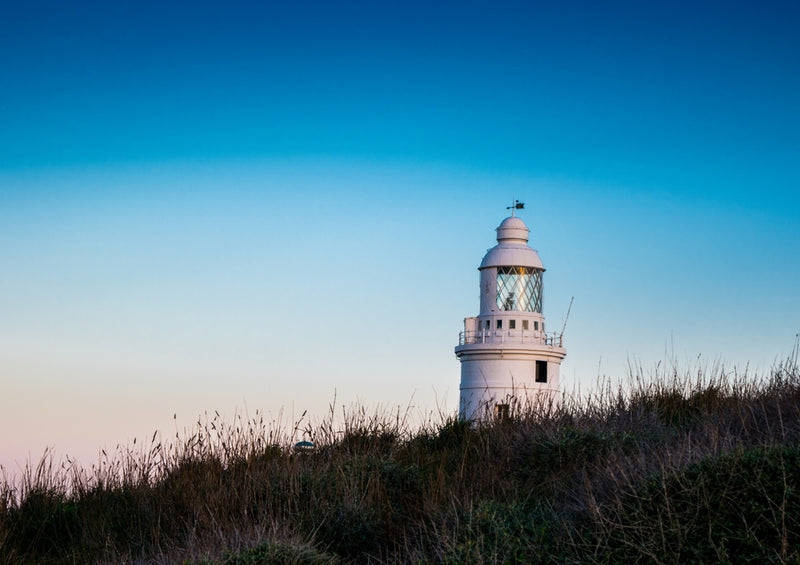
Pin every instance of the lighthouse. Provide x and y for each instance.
(508, 360)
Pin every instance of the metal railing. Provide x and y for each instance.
(511, 337)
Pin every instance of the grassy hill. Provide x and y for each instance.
(671, 467)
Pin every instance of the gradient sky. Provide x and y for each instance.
(228, 206)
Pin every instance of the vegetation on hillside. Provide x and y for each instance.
(671, 467)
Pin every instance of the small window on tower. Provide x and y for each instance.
(488, 325)
(524, 324)
(499, 324)
(541, 371)
(512, 324)
(536, 325)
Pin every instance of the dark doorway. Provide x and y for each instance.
(501, 412)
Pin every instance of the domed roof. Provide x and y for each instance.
(512, 248)
(512, 228)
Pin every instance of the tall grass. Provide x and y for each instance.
(672, 466)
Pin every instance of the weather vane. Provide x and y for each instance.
(517, 205)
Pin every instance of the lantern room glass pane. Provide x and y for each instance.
(519, 289)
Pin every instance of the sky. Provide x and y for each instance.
(276, 206)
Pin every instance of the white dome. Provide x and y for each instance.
(512, 248)
(512, 228)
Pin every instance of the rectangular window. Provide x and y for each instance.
(536, 325)
(499, 324)
(512, 324)
(524, 324)
(488, 325)
(541, 371)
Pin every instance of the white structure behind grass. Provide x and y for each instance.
(508, 361)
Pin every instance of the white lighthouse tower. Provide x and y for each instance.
(507, 359)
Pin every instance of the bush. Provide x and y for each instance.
(274, 553)
(740, 507)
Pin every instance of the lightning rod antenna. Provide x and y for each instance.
(564, 327)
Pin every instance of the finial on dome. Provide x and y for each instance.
(517, 205)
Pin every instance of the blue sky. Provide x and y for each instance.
(213, 207)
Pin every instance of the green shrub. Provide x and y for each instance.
(493, 532)
(742, 507)
(44, 528)
(274, 553)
